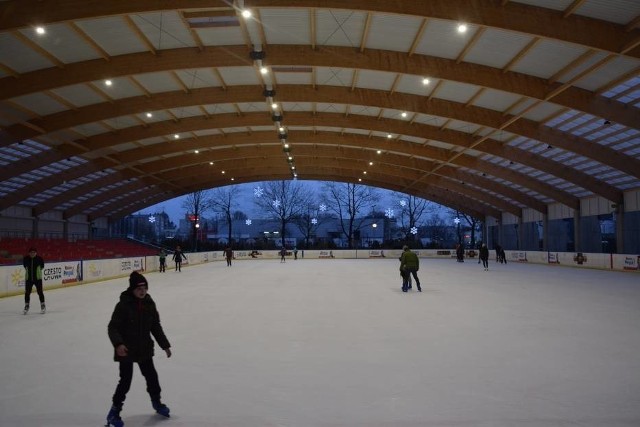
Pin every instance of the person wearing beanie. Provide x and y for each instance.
(33, 266)
(134, 320)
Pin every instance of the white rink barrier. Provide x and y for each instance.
(69, 273)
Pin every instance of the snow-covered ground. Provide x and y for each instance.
(336, 343)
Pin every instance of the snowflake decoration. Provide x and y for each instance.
(276, 203)
(152, 219)
(248, 222)
(258, 192)
(403, 203)
(314, 221)
(389, 213)
(414, 230)
(456, 220)
(323, 207)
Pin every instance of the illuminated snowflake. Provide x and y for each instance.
(403, 203)
(276, 203)
(456, 220)
(414, 230)
(389, 213)
(314, 221)
(248, 222)
(323, 207)
(152, 219)
(258, 192)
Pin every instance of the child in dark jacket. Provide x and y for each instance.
(135, 318)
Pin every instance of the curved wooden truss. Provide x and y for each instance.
(465, 151)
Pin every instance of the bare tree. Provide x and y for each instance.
(284, 201)
(196, 204)
(348, 200)
(471, 223)
(412, 209)
(309, 221)
(224, 200)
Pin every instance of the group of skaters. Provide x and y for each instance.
(177, 257)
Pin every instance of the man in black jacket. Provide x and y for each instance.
(135, 318)
(33, 265)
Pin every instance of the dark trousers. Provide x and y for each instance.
(126, 373)
(485, 263)
(163, 265)
(406, 277)
(178, 265)
(229, 262)
(28, 287)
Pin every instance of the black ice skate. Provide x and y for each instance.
(113, 418)
(161, 408)
(26, 309)
(43, 308)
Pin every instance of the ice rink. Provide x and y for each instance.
(336, 343)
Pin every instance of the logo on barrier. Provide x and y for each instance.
(553, 258)
(17, 277)
(580, 258)
(631, 263)
(376, 254)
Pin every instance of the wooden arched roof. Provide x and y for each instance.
(530, 106)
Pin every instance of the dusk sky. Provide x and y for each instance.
(175, 210)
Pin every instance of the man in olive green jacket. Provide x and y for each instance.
(409, 265)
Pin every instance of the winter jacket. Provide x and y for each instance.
(409, 261)
(34, 267)
(484, 253)
(133, 322)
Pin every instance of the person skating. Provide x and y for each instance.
(134, 320)
(178, 256)
(283, 254)
(409, 265)
(484, 256)
(228, 253)
(33, 265)
(163, 261)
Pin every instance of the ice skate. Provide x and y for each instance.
(161, 408)
(113, 418)
(43, 308)
(26, 309)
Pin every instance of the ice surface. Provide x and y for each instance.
(336, 343)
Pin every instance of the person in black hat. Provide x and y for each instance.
(33, 265)
(135, 318)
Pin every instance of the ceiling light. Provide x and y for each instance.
(149, 115)
(462, 28)
(246, 13)
(264, 70)
(211, 163)
(223, 172)
(290, 158)
(359, 179)
(108, 82)
(40, 30)
(379, 151)
(404, 114)
(274, 106)
(293, 167)
(233, 179)
(365, 172)
(370, 163)
(389, 136)
(176, 136)
(281, 128)
(197, 151)
(425, 81)
(286, 145)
